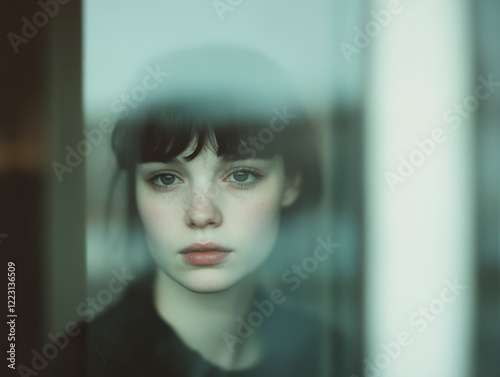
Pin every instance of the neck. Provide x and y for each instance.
(201, 320)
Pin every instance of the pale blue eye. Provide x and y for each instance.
(166, 179)
(241, 176)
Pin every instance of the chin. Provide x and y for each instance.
(208, 284)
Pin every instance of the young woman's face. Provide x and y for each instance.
(210, 223)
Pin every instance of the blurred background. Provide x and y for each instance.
(407, 97)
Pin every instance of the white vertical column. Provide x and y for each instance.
(418, 188)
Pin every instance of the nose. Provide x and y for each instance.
(202, 210)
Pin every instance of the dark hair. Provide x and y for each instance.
(227, 97)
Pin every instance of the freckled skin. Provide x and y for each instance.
(205, 204)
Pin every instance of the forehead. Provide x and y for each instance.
(208, 149)
(208, 158)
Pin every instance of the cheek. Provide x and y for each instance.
(158, 216)
(261, 211)
(258, 217)
(254, 232)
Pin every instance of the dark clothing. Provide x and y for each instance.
(131, 339)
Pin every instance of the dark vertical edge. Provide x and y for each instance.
(64, 281)
(486, 341)
(21, 181)
(349, 214)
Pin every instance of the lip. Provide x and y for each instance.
(206, 254)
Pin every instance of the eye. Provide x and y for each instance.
(241, 176)
(244, 177)
(164, 180)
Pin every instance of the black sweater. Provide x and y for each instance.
(131, 339)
